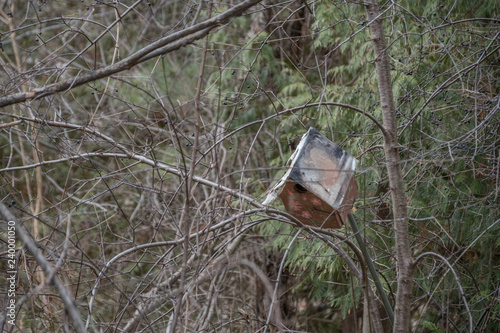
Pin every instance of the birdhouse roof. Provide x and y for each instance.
(321, 167)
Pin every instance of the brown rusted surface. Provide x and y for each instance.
(319, 188)
(311, 210)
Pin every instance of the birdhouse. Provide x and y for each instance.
(319, 187)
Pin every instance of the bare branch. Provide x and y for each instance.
(162, 46)
(31, 246)
(457, 280)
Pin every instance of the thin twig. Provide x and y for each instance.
(31, 246)
(457, 280)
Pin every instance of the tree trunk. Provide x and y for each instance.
(403, 255)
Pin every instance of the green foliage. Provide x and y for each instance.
(431, 326)
(446, 157)
(445, 70)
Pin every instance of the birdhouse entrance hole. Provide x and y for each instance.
(299, 188)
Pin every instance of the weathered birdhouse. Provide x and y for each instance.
(319, 188)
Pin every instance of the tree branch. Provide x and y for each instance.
(31, 246)
(130, 154)
(402, 311)
(457, 280)
(164, 45)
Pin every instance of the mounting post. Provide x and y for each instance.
(373, 272)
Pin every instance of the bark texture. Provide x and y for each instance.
(396, 184)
